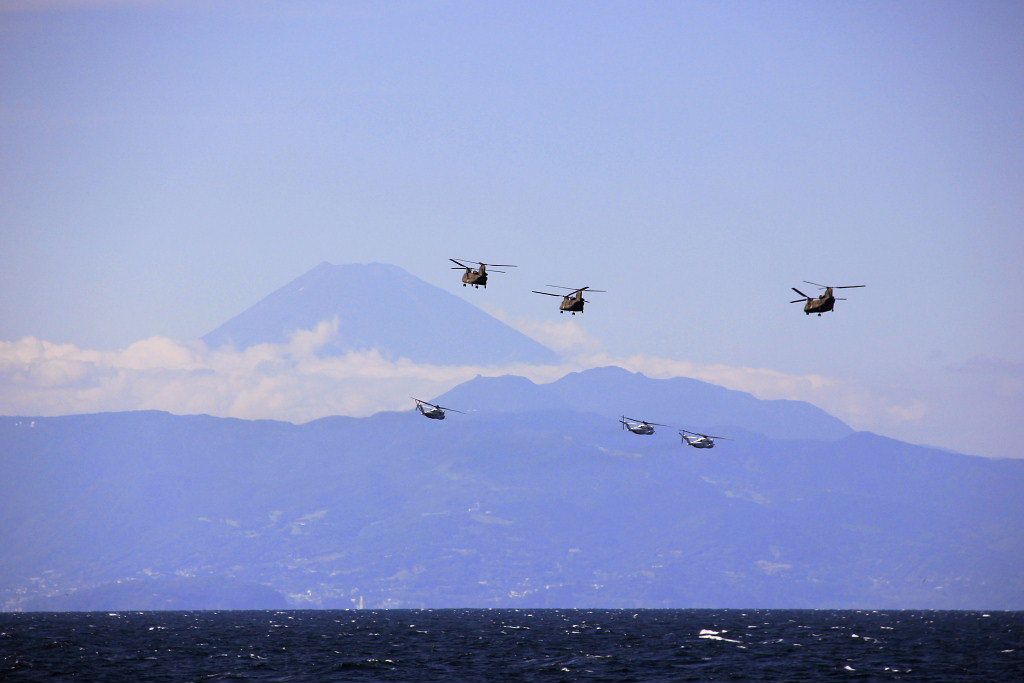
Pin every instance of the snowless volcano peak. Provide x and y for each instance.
(383, 307)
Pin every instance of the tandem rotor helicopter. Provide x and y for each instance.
(477, 276)
(825, 302)
(436, 412)
(699, 440)
(639, 426)
(571, 302)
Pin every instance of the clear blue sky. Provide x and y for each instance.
(164, 165)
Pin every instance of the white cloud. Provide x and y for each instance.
(860, 407)
(291, 382)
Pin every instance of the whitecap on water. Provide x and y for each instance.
(713, 635)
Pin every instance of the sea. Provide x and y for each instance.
(513, 645)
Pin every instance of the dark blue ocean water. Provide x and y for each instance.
(514, 645)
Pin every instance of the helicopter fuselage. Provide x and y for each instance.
(643, 428)
(702, 442)
(572, 303)
(433, 413)
(476, 278)
(823, 304)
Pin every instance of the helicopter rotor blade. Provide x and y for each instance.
(418, 400)
(459, 264)
(481, 263)
(546, 293)
(816, 284)
(799, 301)
(495, 271)
(800, 293)
(706, 436)
(848, 286)
(452, 410)
(577, 289)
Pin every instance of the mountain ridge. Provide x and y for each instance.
(680, 401)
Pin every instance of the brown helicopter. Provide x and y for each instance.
(824, 303)
(571, 302)
(476, 276)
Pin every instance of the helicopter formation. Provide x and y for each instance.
(574, 302)
(642, 427)
(645, 428)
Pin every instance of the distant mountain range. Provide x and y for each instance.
(682, 401)
(382, 307)
(536, 499)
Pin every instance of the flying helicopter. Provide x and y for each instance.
(476, 276)
(639, 426)
(699, 440)
(824, 303)
(573, 301)
(436, 412)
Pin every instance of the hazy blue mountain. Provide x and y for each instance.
(544, 505)
(382, 307)
(176, 593)
(689, 403)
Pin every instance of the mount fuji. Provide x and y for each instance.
(383, 307)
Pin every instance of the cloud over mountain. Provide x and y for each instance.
(293, 381)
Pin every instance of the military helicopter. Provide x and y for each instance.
(476, 277)
(435, 412)
(699, 440)
(573, 301)
(824, 303)
(639, 426)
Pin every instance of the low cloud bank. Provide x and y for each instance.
(290, 382)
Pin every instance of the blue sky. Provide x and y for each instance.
(166, 164)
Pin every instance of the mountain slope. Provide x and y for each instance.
(537, 508)
(382, 307)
